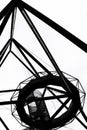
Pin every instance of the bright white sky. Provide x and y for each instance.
(72, 15)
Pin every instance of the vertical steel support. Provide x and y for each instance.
(13, 25)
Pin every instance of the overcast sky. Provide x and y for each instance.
(72, 15)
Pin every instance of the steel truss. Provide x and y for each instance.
(5, 14)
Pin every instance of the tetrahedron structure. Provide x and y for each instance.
(33, 96)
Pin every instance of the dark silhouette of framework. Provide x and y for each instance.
(41, 80)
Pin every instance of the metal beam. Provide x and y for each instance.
(21, 51)
(82, 45)
(4, 58)
(67, 109)
(10, 90)
(3, 51)
(5, 10)
(83, 114)
(23, 63)
(60, 109)
(6, 127)
(13, 22)
(32, 99)
(5, 47)
(5, 20)
(32, 57)
(8, 102)
(42, 43)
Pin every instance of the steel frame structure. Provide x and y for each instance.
(11, 9)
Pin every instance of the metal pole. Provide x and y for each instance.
(25, 57)
(32, 57)
(82, 45)
(42, 43)
(4, 124)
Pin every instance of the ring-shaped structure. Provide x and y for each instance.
(42, 82)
